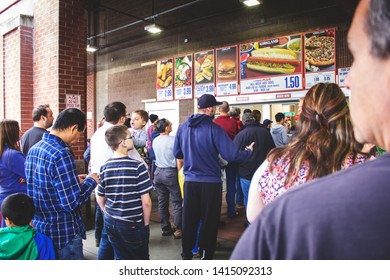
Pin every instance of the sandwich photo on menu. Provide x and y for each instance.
(204, 68)
(226, 69)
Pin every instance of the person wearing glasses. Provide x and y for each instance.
(123, 195)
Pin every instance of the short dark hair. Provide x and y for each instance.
(40, 111)
(377, 27)
(68, 118)
(279, 117)
(162, 125)
(114, 136)
(114, 111)
(257, 114)
(18, 208)
(144, 115)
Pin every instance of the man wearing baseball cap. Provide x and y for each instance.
(198, 142)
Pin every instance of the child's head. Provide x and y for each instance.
(139, 119)
(18, 209)
(119, 135)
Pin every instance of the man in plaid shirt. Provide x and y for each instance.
(58, 191)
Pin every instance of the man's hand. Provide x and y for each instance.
(250, 147)
(95, 176)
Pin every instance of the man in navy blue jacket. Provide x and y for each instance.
(252, 132)
(199, 141)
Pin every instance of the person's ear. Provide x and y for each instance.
(74, 128)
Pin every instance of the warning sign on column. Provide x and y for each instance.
(73, 101)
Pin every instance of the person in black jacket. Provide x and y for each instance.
(252, 132)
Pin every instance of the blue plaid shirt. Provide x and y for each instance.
(53, 183)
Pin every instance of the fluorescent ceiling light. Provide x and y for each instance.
(250, 3)
(148, 63)
(91, 48)
(153, 28)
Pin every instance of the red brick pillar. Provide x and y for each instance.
(60, 56)
(17, 71)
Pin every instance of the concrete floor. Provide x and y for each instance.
(160, 247)
(166, 247)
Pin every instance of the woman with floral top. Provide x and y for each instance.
(324, 144)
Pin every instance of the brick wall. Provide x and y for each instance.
(91, 88)
(26, 76)
(60, 56)
(72, 58)
(11, 56)
(46, 53)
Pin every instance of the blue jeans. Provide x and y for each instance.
(72, 251)
(105, 251)
(245, 184)
(130, 241)
(98, 222)
(239, 194)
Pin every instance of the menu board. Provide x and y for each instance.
(164, 83)
(183, 77)
(271, 65)
(320, 57)
(226, 71)
(204, 73)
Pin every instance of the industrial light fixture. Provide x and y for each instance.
(153, 28)
(251, 3)
(91, 48)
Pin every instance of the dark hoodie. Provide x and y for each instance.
(199, 141)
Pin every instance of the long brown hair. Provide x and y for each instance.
(324, 134)
(9, 135)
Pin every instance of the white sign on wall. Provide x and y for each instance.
(73, 101)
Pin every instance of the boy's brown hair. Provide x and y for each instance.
(115, 135)
(144, 115)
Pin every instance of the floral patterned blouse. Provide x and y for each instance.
(273, 184)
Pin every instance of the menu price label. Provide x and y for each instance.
(203, 89)
(343, 72)
(164, 94)
(320, 77)
(271, 84)
(183, 93)
(228, 88)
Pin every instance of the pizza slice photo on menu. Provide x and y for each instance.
(319, 52)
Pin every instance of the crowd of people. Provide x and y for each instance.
(319, 193)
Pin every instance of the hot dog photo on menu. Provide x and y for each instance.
(277, 56)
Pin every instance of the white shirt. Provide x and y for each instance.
(101, 152)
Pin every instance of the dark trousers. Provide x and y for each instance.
(231, 173)
(167, 187)
(202, 201)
